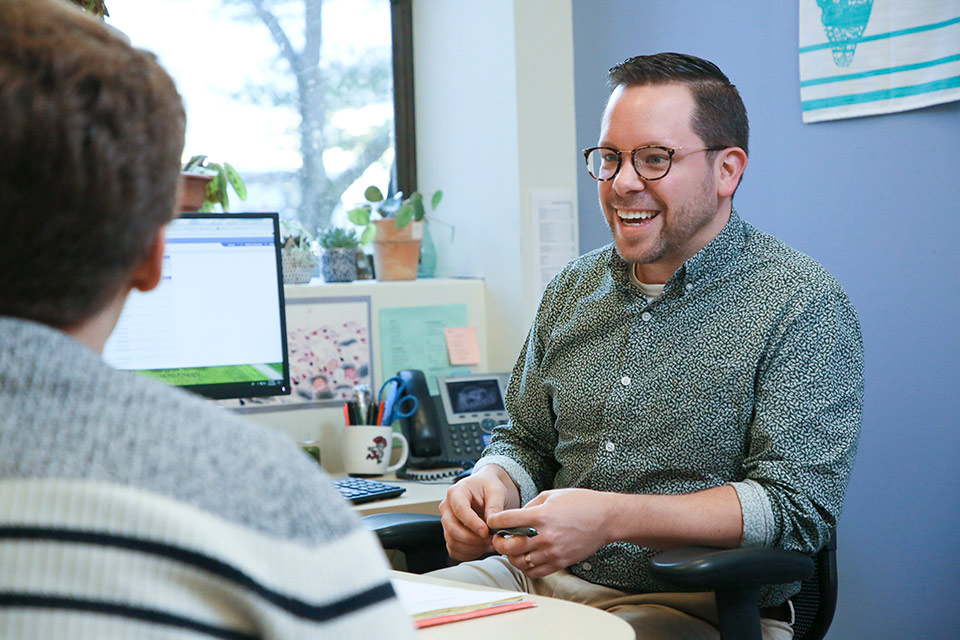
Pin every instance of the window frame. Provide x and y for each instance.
(404, 113)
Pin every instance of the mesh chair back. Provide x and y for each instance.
(815, 604)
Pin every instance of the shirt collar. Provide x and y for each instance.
(713, 258)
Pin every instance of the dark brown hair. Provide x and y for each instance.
(719, 117)
(91, 134)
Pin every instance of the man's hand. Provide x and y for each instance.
(468, 505)
(572, 527)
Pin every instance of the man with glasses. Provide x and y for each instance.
(694, 382)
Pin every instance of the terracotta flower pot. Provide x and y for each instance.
(193, 191)
(396, 251)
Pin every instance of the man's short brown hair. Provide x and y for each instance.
(91, 134)
(719, 117)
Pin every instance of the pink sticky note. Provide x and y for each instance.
(462, 345)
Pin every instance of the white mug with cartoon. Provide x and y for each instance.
(366, 449)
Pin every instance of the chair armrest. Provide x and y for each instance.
(710, 569)
(419, 536)
(405, 530)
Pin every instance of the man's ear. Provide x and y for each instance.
(147, 274)
(733, 162)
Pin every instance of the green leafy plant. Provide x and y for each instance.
(402, 210)
(337, 238)
(96, 7)
(221, 175)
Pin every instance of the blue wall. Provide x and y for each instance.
(877, 201)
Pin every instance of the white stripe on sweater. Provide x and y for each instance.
(317, 576)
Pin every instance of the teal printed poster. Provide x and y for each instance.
(412, 338)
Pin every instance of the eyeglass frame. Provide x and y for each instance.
(633, 159)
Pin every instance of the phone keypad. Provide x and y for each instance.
(466, 439)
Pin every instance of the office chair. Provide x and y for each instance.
(418, 536)
(735, 575)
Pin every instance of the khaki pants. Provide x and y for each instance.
(654, 616)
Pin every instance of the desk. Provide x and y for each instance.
(551, 618)
(420, 497)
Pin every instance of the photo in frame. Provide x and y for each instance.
(328, 341)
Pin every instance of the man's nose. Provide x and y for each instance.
(628, 180)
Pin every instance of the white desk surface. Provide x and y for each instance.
(551, 618)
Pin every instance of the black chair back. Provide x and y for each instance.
(817, 601)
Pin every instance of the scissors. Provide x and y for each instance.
(396, 397)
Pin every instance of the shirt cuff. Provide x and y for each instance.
(759, 527)
(528, 490)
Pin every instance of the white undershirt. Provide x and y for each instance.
(650, 291)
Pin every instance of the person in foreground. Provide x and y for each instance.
(695, 382)
(129, 509)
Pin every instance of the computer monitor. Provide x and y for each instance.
(215, 325)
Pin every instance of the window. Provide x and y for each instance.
(298, 95)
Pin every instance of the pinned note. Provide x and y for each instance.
(462, 345)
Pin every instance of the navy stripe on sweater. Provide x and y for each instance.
(37, 601)
(294, 606)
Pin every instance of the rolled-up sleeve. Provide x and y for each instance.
(804, 437)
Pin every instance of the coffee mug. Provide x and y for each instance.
(366, 449)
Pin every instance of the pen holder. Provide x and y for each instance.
(366, 449)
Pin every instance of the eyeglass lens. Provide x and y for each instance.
(650, 162)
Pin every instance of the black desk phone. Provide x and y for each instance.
(452, 429)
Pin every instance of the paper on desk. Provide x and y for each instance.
(422, 600)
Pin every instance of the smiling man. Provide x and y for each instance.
(694, 382)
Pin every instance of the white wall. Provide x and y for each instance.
(495, 120)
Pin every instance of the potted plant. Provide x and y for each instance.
(338, 260)
(296, 254)
(204, 185)
(396, 236)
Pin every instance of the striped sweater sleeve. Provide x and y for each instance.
(112, 561)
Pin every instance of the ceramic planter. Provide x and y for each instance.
(192, 192)
(338, 265)
(294, 271)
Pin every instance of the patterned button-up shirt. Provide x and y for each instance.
(747, 370)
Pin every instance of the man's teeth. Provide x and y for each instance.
(636, 215)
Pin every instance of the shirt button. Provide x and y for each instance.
(586, 566)
(646, 316)
(609, 446)
(689, 286)
(625, 381)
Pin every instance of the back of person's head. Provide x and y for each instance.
(719, 117)
(91, 134)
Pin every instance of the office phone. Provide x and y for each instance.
(452, 428)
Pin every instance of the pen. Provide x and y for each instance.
(354, 412)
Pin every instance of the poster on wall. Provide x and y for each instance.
(870, 57)
(328, 341)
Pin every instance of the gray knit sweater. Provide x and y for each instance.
(180, 492)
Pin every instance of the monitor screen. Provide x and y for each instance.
(215, 325)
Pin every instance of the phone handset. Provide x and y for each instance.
(422, 429)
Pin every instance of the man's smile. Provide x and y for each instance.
(636, 217)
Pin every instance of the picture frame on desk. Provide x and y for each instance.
(331, 352)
